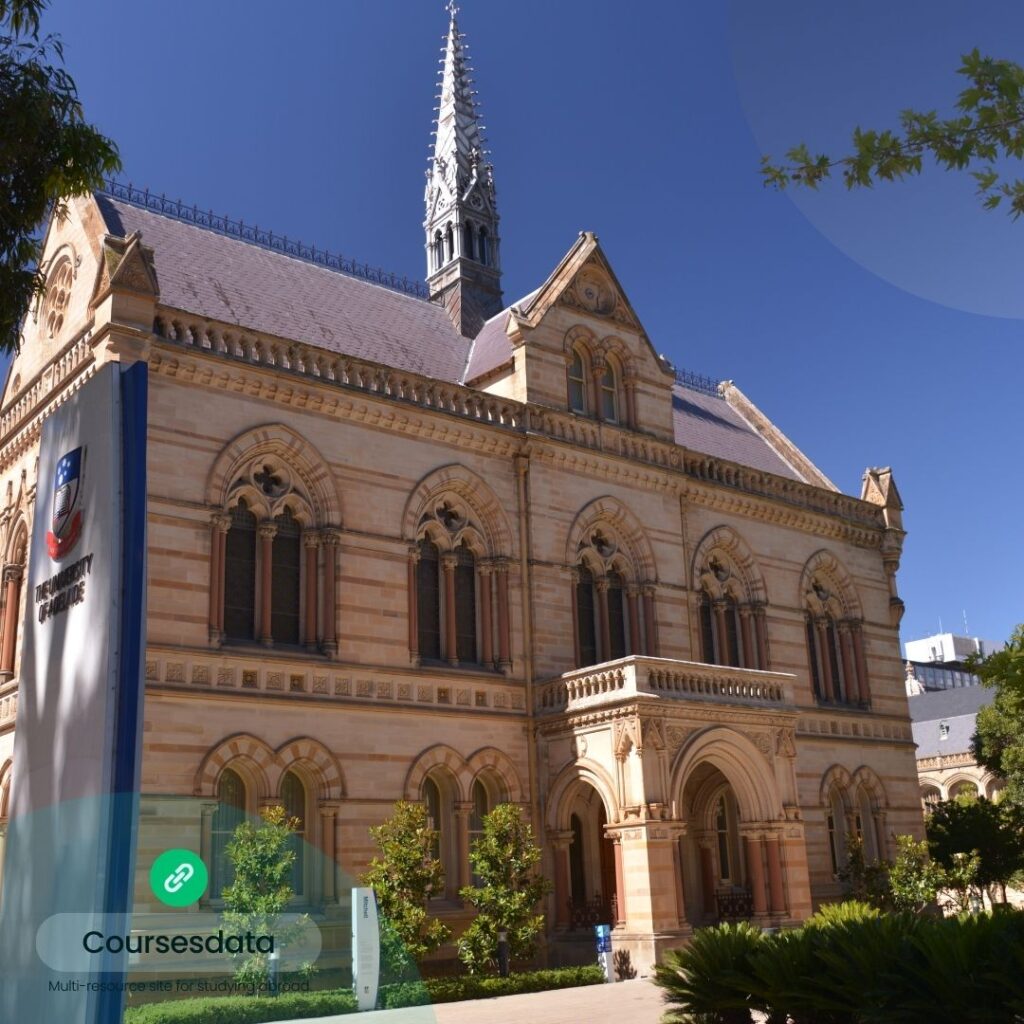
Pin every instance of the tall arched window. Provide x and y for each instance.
(586, 615)
(616, 617)
(481, 808)
(428, 600)
(577, 383)
(835, 824)
(449, 242)
(437, 796)
(13, 579)
(293, 798)
(240, 575)
(484, 246)
(285, 579)
(609, 395)
(438, 251)
(835, 650)
(733, 628)
(468, 249)
(230, 813)
(465, 605)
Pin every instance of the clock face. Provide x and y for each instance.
(595, 293)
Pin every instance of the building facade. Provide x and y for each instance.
(423, 544)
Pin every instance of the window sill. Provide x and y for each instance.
(291, 652)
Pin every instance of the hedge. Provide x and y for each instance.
(851, 964)
(242, 1009)
(247, 1010)
(451, 990)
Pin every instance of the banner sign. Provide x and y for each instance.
(77, 743)
(365, 947)
(603, 941)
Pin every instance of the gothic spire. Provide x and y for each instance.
(463, 268)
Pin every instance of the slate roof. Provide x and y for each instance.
(956, 707)
(233, 281)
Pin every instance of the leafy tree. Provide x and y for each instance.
(403, 876)
(914, 878)
(988, 128)
(992, 832)
(262, 856)
(505, 859)
(999, 737)
(865, 881)
(47, 153)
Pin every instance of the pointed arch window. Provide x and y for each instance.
(286, 574)
(484, 247)
(609, 395)
(13, 577)
(835, 650)
(240, 575)
(230, 813)
(468, 247)
(449, 242)
(428, 600)
(293, 799)
(835, 825)
(481, 808)
(437, 795)
(616, 617)
(577, 383)
(465, 605)
(438, 251)
(721, 630)
(586, 616)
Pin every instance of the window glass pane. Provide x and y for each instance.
(577, 385)
(230, 813)
(428, 610)
(481, 808)
(240, 575)
(285, 575)
(732, 639)
(293, 797)
(616, 617)
(812, 658)
(609, 405)
(585, 614)
(465, 605)
(707, 628)
(833, 660)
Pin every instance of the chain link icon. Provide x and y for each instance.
(181, 874)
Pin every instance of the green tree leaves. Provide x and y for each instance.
(47, 153)
(988, 132)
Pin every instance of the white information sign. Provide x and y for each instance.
(365, 947)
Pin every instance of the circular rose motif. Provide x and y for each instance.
(595, 293)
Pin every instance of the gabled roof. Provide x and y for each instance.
(230, 280)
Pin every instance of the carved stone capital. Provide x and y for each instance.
(311, 539)
(221, 520)
(13, 572)
(267, 530)
(330, 536)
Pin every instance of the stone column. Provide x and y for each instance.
(448, 562)
(328, 817)
(677, 858)
(849, 672)
(330, 539)
(574, 579)
(219, 526)
(650, 622)
(266, 533)
(620, 885)
(821, 626)
(597, 369)
(629, 388)
(707, 879)
(776, 889)
(311, 543)
(602, 619)
(412, 587)
(504, 621)
(861, 663)
(560, 846)
(747, 636)
(486, 625)
(12, 576)
(755, 871)
(636, 643)
(463, 810)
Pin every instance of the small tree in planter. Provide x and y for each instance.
(261, 891)
(505, 859)
(403, 877)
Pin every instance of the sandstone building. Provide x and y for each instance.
(426, 544)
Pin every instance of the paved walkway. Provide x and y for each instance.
(628, 1002)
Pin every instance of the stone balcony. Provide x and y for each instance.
(633, 677)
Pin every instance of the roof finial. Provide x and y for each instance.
(452, 8)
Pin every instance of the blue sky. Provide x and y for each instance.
(875, 328)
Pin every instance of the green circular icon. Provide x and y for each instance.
(178, 878)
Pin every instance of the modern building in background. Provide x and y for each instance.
(945, 696)
(429, 544)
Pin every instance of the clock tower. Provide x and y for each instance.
(462, 244)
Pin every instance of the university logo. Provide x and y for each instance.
(66, 521)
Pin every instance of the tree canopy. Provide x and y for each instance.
(987, 131)
(999, 737)
(48, 152)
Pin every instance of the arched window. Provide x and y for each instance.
(930, 796)
(722, 835)
(834, 646)
(293, 798)
(721, 630)
(13, 579)
(440, 813)
(465, 605)
(438, 252)
(285, 579)
(586, 615)
(707, 628)
(240, 575)
(616, 617)
(484, 247)
(835, 824)
(577, 871)
(609, 395)
(468, 247)
(866, 827)
(449, 242)
(230, 813)
(428, 601)
(577, 383)
(732, 624)
(481, 808)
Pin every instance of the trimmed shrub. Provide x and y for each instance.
(242, 1009)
